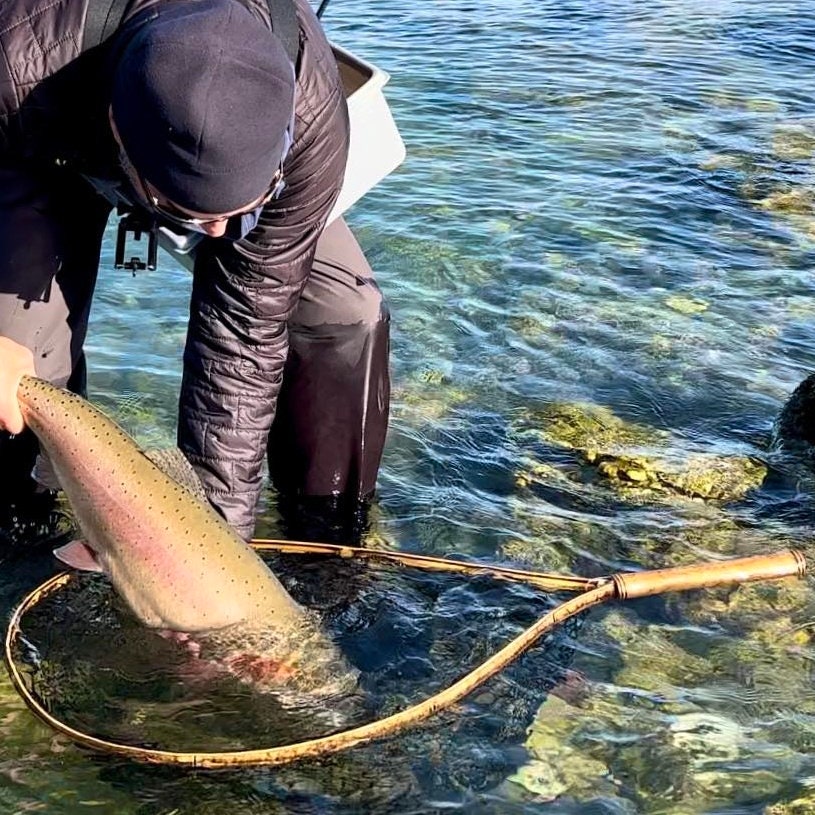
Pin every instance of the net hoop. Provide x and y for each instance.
(590, 592)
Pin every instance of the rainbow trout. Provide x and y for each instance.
(174, 560)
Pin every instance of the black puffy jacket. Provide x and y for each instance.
(53, 107)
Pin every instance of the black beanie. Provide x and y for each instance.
(202, 96)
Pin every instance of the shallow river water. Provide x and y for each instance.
(598, 260)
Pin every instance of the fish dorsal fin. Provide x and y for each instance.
(78, 555)
(172, 462)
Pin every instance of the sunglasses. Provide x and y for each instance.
(168, 210)
(154, 200)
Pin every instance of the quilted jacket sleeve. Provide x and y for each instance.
(243, 294)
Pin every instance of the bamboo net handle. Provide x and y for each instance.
(706, 575)
(622, 586)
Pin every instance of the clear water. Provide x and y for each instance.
(603, 202)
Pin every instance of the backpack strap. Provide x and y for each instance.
(286, 27)
(104, 16)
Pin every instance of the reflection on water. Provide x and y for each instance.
(604, 204)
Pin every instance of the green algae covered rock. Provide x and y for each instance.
(802, 805)
(711, 477)
(646, 737)
(794, 142)
(603, 749)
(789, 201)
(589, 427)
(549, 541)
(427, 396)
(637, 460)
(686, 305)
(549, 779)
(538, 554)
(561, 763)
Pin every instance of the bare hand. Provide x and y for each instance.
(16, 361)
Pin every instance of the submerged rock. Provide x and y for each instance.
(788, 201)
(802, 805)
(655, 730)
(639, 461)
(560, 764)
(581, 425)
(794, 142)
(428, 395)
(701, 475)
(688, 707)
(686, 305)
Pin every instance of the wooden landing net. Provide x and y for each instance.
(590, 592)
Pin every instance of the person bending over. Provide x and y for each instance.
(194, 112)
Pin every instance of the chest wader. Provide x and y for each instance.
(326, 441)
(327, 438)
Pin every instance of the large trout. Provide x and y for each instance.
(174, 560)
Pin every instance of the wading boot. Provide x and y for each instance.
(324, 519)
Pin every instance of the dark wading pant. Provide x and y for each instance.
(332, 411)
